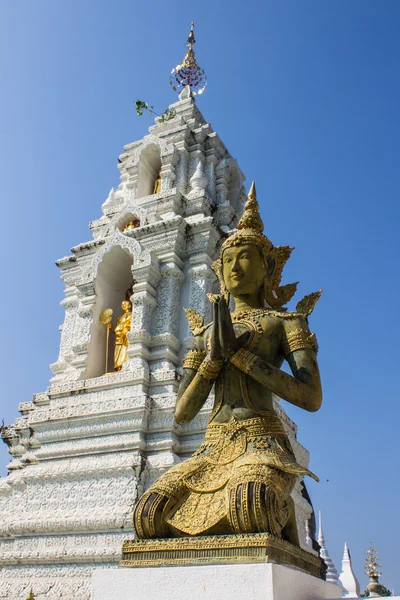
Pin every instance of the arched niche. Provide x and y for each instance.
(114, 277)
(126, 219)
(148, 170)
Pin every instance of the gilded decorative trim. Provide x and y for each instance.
(244, 548)
(196, 321)
(299, 340)
(193, 359)
(254, 427)
(307, 304)
(210, 369)
(253, 313)
(244, 360)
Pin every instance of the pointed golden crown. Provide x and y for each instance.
(250, 226)
(250, 231)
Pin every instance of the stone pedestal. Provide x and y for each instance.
(244, 548)
(211, 582)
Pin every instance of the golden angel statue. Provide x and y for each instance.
(241, 477)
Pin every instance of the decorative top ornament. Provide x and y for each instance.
(250, 226)
(189, 73)
(250, 231)
(372, 568)
(371, 562)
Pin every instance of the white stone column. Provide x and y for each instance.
(221, 184)
(168, 293)
(143, 303)
(202, 278)
(182, 179)
(168, 163)
(83, 327)
(66, 355)
(211, 161)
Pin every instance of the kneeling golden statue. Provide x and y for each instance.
(240, 479)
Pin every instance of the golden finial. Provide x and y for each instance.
(252, 195)
(371, 562)
(189, 73)
(251, 217)
(31, 596)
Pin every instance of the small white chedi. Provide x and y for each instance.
(347, 578)
(198, 181)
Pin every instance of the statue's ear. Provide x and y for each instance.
(270, 265)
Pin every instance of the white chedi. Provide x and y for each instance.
(112, 201)
(331, 573)
(198, 181)
(347, 578)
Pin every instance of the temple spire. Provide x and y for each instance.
(347, 578)
(331, 573)
(189, 74)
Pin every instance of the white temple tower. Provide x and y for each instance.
(347, 579)
(85, 448)
(331, 572)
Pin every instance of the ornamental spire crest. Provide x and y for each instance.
(189, 73)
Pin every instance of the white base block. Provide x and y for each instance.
(262, 581)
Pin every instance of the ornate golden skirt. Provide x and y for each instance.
(240, 478)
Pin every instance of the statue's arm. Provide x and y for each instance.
(303, 388)
(199, 374)
(192, 394)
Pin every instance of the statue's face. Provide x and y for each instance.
(126, 305)
(243, 269)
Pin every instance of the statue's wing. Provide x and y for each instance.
(306, 305)
(279, 255)
(196, 321)
(279, 297)
(286, 292)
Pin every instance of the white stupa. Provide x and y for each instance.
(331, 573)
(347, 578)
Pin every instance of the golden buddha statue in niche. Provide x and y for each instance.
(157, 184)
(134, 224)
(241, 477)
(122, 327)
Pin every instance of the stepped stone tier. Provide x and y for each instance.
(83, 450)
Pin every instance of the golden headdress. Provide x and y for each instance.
(250, 231)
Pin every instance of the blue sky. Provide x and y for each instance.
(305, 95)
